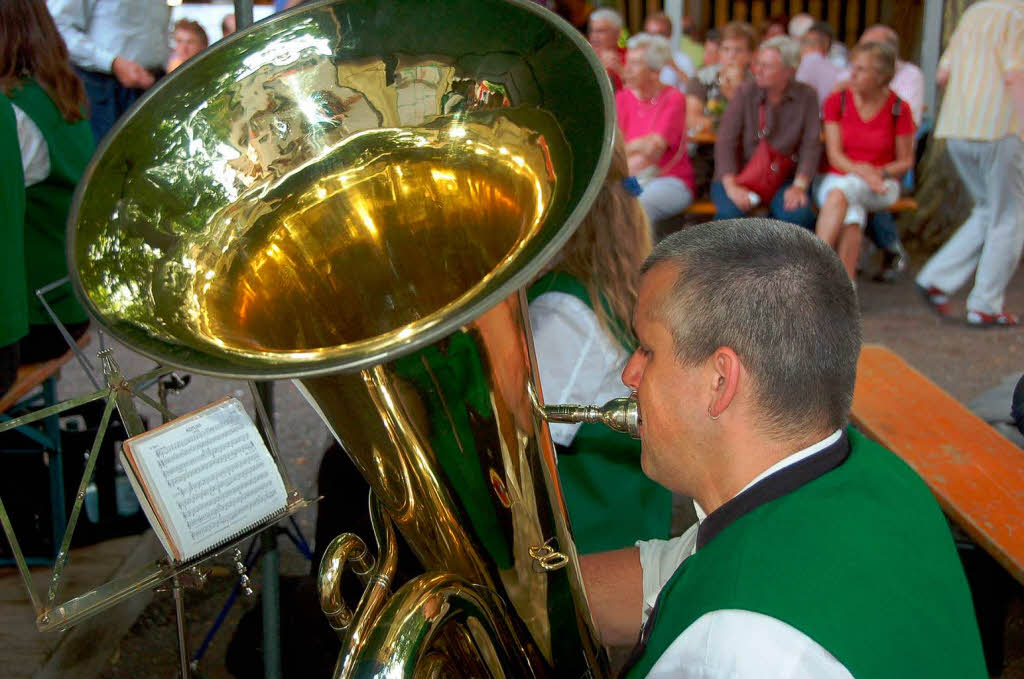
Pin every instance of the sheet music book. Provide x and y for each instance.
(204, 479)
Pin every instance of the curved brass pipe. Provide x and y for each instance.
(375, 596)
(418, 614)
(343, 549)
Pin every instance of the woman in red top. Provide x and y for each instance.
(869, 142)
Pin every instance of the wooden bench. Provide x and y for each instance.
(976, 474)
(705, 208)
(32, 376)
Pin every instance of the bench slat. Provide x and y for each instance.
(34, 374)
(976, 474)
(705, 208)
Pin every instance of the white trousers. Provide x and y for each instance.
(663, 197)
(860, 199)
(991, 239)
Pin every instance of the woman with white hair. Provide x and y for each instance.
(652, 117)
(768, 146)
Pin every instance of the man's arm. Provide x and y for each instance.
(615, 591)
(72, 18)
(1015, 85)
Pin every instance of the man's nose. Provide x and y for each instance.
(632, 372)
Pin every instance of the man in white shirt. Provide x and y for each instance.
(118, 47)
(749, 334)
(816, 69)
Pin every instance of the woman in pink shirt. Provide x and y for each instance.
(652, 117)
(869, 141)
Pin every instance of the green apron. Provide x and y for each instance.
(611, 502)
(47, 203)
(14, 314)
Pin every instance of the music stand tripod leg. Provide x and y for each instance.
(264, 393)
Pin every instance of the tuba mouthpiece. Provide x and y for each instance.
(618, 414)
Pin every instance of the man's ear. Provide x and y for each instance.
(725, 376)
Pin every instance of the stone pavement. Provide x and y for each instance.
(976, 367)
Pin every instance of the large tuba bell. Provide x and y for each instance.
(351, 195)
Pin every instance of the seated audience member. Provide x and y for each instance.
(679, 69)
(908, 80)
(770, 121)
(869, 142)
(603, 30)
(800, 24)
(189, 40)
(712, 47)
(56, 144)
(580, 314)
(908, 84)
(816, 69)
(777, 25)
(817, 552)
(14, 312)
(689, 44)
(712, 88)
(652, 117)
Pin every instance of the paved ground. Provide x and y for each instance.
(966, 362)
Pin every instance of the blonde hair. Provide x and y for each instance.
(882, 54)
(608, 248)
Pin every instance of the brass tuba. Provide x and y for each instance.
(351, 195)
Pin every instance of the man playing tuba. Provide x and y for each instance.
(817, 553)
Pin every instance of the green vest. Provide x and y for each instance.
(70, 146)
(611, 502)
(14, 314)
(859, 559)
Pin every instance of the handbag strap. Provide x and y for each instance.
(762, 130)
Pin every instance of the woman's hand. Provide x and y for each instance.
(612, 60)
(794, 198)
(872, 175)
(737, 194)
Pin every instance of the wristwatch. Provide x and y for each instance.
(886, 174)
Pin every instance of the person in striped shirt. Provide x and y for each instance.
(982, 119)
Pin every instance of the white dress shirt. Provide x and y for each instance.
(669, 76)
(97, 31)
(732, 644)
(579, 362)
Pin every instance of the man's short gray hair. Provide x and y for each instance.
(605, 14)
(658, 48)
(777, 296)
(787, 48)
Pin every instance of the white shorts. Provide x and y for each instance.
(859, 197)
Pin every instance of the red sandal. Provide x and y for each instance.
(936, 299)
(979, 319)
